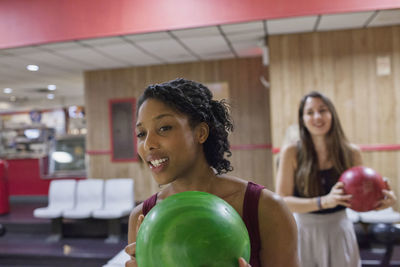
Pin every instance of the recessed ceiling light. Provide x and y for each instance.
(32, 67)
(50, 96)
(7, 90)
(51, 87)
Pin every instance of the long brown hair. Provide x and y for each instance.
(340, 152)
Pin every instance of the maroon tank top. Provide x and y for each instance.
(250, 218)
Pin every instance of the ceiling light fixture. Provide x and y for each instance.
(32, 67)
(50, 96)
(51, 87)
(7, 90)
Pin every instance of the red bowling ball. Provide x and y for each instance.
(365, 185)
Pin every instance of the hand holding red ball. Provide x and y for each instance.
(368, 189)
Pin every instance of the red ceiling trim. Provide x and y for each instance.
(27, 22)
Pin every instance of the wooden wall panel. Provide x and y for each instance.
(396, 87)
(250, 111)
(343, 65)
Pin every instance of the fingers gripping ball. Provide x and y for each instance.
(192, 229)
(365, 185)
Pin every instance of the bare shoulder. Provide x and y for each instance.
(356, 154)
(272, 204)
(290, 149)
(355, 148)
(136, 212)
(278, 231)
(289, 153)
(274, 214)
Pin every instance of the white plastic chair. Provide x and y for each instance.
(118, 199)
(89, 197)
(353, 215)
(61, 197)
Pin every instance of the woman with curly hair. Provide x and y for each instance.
(183, 138)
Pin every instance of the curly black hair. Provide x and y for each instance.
(195, 100)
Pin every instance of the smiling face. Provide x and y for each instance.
(166, 141)
(316, 116)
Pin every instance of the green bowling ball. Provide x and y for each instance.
(192, 229)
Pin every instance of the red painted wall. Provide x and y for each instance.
(28, 22)
(23, 177)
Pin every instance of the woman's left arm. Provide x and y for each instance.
(278, 232)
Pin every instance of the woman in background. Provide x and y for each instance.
(307, 180)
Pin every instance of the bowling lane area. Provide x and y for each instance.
(24, 240)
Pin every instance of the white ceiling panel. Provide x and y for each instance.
(14, 75)
(256, 27)
(61, 46)
(250, 37)
(3, 52)
(53, 60)
(344, 21)
(6, 80)
(291, 25)
(17, 65)
(386, 17)
(21, 50)
(89, 56)
(148, 36)
(204, 46)
(15, 62)
(223, 54)
(168, 50)
(127, 53)
(56, 48)
(47, 72)
(101, 41)
(198, 32)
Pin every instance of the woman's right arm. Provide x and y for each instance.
(135, 219)
(285, 182)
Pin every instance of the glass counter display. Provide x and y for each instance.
(66, 157)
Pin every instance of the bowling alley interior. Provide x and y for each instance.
(71, 74)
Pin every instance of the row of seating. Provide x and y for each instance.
(110, 199)
(96, 198)
(387, 215)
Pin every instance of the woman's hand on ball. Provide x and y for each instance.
(336, 197)
(131, 248)
(243, 263)
(388, 201)
(389, 198)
